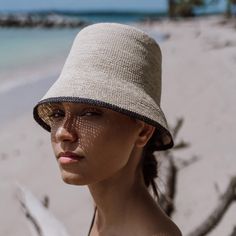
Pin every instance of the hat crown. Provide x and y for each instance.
(114, 66)
(118, 53)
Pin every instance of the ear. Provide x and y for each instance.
(145, 133)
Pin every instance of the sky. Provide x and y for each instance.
(141, 5)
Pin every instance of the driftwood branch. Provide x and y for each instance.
(177, 127)
(168, 173)
(41, 221)
(227, 198)
(234, 232)
(185, 163)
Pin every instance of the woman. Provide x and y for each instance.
(105, 120)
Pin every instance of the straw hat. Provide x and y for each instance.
(114, 66)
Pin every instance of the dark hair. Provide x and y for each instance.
(149, 162)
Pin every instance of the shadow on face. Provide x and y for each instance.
(104, 138)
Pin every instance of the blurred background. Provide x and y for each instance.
(198, 43)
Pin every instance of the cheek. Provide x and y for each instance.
(109, 147)
(89, 135)
(53, 143)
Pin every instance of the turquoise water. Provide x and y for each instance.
(31, 54)
(20, 47)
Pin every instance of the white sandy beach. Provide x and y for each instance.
(199, 84)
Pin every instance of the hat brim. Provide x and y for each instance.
(164, 138)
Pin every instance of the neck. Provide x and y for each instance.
(113, 196)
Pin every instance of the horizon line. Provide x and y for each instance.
(84, 11)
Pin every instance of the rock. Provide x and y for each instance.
(37, 20)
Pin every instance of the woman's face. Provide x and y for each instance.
(103, 140)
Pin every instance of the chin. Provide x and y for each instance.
(73, 179)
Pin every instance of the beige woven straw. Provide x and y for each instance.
(114, 66)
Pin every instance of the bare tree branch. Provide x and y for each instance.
(177, 127)
(168, 175)
(234, 232)
(185, 163)
(181, 145)
(209, 224)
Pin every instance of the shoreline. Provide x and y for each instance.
(28, 75)
(23, 97)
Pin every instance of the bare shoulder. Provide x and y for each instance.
(151, 220)
(168, 229)
(159, 225)
(162, 225)
(173, 230)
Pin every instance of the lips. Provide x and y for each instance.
(69, 157)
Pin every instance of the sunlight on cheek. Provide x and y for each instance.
(89, 134)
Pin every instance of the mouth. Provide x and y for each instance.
(69, 157)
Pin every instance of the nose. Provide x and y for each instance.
(67, 131)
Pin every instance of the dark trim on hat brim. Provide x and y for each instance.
(101, 104)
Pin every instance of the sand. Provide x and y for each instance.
(199, 84)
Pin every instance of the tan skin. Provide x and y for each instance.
(111, 145)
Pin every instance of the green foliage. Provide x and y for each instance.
(190, 2)
(184, 8)
(228, 8)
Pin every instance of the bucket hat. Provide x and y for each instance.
(114, 66)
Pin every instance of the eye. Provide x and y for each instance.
(56, 114)
(90, 112)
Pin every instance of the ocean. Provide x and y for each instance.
(24, 52)
(27, 54)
